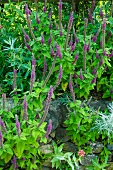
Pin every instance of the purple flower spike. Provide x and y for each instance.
(97, 55)
(88, 47)
(81, 76)
(71, 19)
(58, 52)
(42, 39)
(50, 13)
(73, 47)
(45, 67)
(2, 124)
(49, 128)
(52, 51)
(104, 24)
(60, 5)
(85, 48)
(50, 26)
(60, 74)
(75, 58)
(28, 46)
(37, 20)
(18, 126)
(93, 81)
(104, 53)
(94, 38)
(101, 62)
(50, 93)
(44, 9)
(101, 13)
(1, 140)
(27, 11)
(75, 76)
(33, 61)
(14, 162)
(25, 115)
(94, 71)
(111, 91)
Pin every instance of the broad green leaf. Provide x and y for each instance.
(7, 158)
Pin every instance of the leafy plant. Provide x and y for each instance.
(104, 123)
(79, 123)
(66, 160)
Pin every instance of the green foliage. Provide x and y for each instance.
(104, 124)
(79, 124)
(62, 160)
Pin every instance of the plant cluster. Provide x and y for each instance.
(41, 54)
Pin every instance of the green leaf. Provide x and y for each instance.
(19, 149)
(7, 158)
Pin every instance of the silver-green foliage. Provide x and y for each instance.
(104, 124)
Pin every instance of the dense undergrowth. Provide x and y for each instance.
(45, 53)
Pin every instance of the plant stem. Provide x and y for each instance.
(50, 72)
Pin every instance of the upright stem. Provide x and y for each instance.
(50, 72)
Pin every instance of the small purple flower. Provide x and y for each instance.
(2, 124)
(104, 53)
(1, 140)
(33, 61)
(111, 91)
(97, 55)
(60, 5)
(50, 39)
(104, 24)
(25, 115)
(88, 47)
(71, 88)
(28, 46)
(76, 40)
(93, 81)
(27, 11)
(81, 76)
(58, 52)
(42, 39)
(76, 58)
(60, 73)
(49, 128)
(50, 13)
(93, 5)
(94, 38)
(18, 126)
(37, 20)
(4, 98)
(52, 51)
(101, 62)
(45, 67)
(50, 26)
(61, 33)
(85, 48)
(70, 43)
(73, 47)
(94, 71)
(71, 19)
(14, 162)
(25, 35)
(101, 13)
(44, 9)
(50, 93)
(75, 76)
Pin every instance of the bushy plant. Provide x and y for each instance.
(104, 124)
